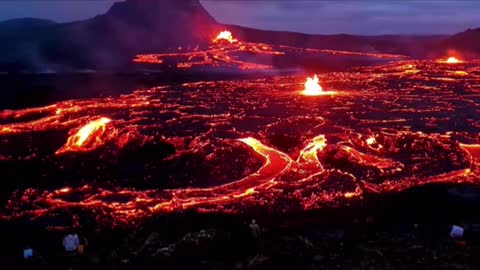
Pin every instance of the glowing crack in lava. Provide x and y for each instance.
(217, 146)
(87, 137)
(225, 35)
(313, 88)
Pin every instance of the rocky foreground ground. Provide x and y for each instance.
(227, 244)
(410, 231)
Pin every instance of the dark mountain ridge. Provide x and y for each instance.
(110, 41)
(465, 41)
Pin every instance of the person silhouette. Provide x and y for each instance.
(254, 229)
(70, 243)
(255, 232)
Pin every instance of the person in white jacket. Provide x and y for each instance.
(71, 242)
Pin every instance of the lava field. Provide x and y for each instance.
(244, 145)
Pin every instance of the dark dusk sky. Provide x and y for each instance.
(309, 16)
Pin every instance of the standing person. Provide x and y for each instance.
(28, 253)
(28, 258)
(70, 243)
(83, 244)
(255, 233)
(254, 229)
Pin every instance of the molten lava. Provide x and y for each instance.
(86, 138)
(453, 60)
(450, 60)
(286, 154)
(225, 36)
(313, 87)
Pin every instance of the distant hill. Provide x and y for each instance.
(110, 41)
(16, 26)
(468, 41)
(415, 46)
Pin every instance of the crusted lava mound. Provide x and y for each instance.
(393, 158)
(143, 164)
(289, 135)
(211, 164)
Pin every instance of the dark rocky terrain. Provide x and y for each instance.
(111, 40)
(400, 232)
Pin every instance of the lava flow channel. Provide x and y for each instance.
(276, 163)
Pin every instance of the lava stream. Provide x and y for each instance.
(86, 138)
(276, 163)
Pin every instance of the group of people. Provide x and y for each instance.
(72, 245)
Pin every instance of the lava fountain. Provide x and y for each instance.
(225, 35)
(451, 60)
(313, 87)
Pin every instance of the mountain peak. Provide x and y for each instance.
(468, 40)
(161, 21)
(161, 11)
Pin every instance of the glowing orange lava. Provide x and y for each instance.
(451, 60)
(225, 35)
(309, 153)
(460, 73)
(282, 155)
(226, 51)
(313, 87)
(87, 138)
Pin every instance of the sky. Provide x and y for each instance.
(367, 17)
